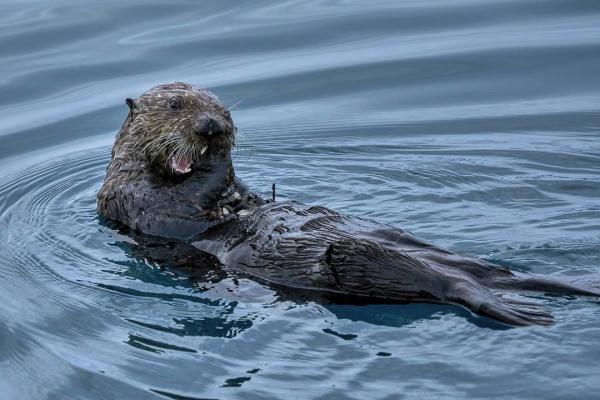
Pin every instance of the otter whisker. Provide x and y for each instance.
(152, 144)
(231, 107)
(169, 141)
(239, 148)
(159, 142)
(164, 145)
(158, 151)
(189, 152)
(173, 152)
(146, 143)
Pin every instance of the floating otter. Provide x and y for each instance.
(171, 175)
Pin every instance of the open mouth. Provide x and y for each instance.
(181, 165)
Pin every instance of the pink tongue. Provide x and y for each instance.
(181, 164)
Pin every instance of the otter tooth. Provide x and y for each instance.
(225, 211)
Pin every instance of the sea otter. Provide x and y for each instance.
(171, 175)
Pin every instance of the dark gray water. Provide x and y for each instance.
(474, 124)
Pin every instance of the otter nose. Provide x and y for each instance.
(208, 127)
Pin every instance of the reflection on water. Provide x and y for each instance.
(471, 123)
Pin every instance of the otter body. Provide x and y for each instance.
(171, 175)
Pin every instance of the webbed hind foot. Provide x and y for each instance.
(483, 301)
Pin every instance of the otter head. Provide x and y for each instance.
(175, 127)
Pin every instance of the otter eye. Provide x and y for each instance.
(227, 114)
(175, 104)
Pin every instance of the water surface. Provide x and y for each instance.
(472, 123)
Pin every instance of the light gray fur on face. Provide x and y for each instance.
(160, 132)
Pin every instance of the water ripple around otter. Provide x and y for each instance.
(473, 124)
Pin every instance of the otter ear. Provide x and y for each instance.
(133, 106)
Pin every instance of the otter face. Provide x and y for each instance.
(175, 126)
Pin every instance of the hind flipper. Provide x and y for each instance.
(549, 285)
(482, 301)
